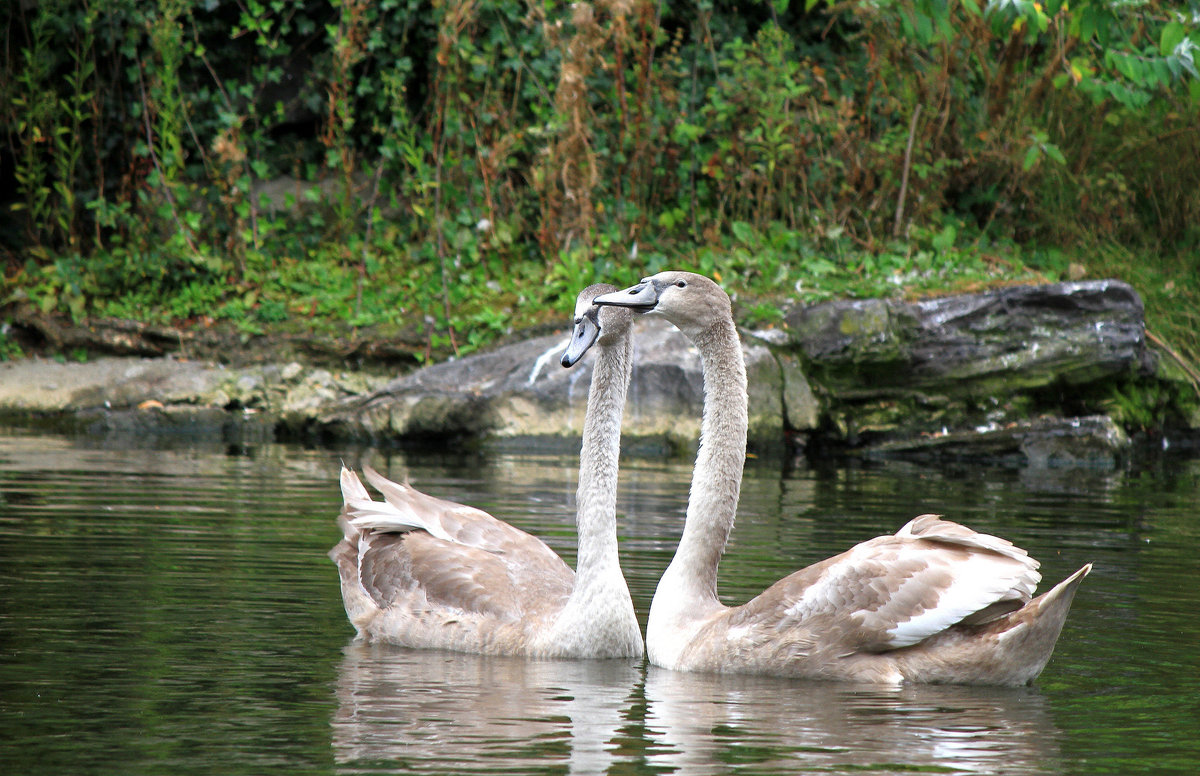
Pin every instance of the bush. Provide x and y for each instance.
(299, 156)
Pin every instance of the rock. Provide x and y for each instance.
(177, 397)
(893, 370)
(1088, 440)
(291, 371)
(1041, 442)
(520, 390)
(115, 336)
(41, 385)
(972, 344)
(997, 374)
(181, 425)
(369, 349)
(801, 408)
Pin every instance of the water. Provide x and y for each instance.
(172, 611)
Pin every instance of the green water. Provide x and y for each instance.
(172, 611)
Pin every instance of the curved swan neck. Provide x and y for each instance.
(717, 476)
(599, 458)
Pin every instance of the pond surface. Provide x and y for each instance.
(169, 609)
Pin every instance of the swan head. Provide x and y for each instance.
(593, 323)
(692, 302)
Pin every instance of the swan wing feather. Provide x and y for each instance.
(451, 554)
(896, 591)
(462, 524)
(421, 570)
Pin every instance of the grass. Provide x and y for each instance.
(480, 296)
(1167, 284)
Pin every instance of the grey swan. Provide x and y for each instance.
(935, 602)
(422, 572)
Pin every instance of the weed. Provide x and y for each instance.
(10, 349)
(447, 166)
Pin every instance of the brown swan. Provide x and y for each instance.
(422, 572)
(934, 602)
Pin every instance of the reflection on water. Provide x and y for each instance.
(700, 720)
(439, 711)
(170, 609)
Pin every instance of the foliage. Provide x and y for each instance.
(450, 167)
(9, 348)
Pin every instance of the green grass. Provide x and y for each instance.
(458, 306)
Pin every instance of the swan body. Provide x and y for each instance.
(934, 602)
(422, 572)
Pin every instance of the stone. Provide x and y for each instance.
(972, 344)
(1048, 375)
(520, 390)
(890, 371)
(1040, 442)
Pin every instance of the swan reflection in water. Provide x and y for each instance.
(424, 710)
(446, 711)
(706, 723)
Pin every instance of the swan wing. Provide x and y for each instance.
(448, 553)
(896, 591)
(427, 572)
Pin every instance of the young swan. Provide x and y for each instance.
(935, 602)
(422, 572)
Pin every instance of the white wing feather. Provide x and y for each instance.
(366, 514)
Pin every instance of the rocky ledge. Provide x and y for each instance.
(1053, 374)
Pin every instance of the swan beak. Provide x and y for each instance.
(642, 297)
(587, 331)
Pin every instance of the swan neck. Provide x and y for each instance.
(599, 458)
(717, 476)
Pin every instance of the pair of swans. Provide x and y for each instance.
(935, 602)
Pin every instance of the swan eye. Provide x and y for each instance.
(681, 283)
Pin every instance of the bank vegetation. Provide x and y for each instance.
(457, 169)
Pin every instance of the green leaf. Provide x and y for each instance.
(1042, 21)
(1087, 23)
(1031, 157)
(944, 239)
(819, 267)
(1162, 72)
(1172, 35)
(924, 28)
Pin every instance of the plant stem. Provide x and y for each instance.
(912, 131)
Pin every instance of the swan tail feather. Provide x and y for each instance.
(352, 487)
(1054, 604)
(368, 515)
(1037, 626)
